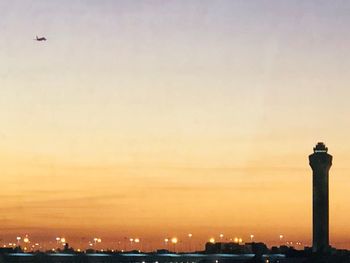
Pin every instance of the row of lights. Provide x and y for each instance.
(60, 240)
(173, 240)
(237, 240)
(135, 240)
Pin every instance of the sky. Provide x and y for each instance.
(156, 119)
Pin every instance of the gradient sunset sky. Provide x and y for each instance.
(158, 118)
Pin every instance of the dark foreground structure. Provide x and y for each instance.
(137, 258)
(297, 257)
(320, 162)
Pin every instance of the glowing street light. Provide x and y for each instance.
(166, 241)
(189, 242)
(174, 241)
(281, 237)
(251, 237)
(221, 236)
(212, 240)
(131, 240)
(137, 241)
(26, 241)
(63, 240)
(18, 240)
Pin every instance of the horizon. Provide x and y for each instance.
(155, 120)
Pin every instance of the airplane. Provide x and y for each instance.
(40, 38)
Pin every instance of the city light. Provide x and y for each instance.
(212, 240)
(281, 237)
(251, 237)
(174, 241)
(166, 241)
(189, 242)
(95, 241)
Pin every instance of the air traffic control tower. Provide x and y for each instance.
(320, 162)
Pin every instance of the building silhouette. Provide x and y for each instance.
(320, 162)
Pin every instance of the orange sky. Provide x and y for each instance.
(151, 120)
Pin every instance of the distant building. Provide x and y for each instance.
(257, 248)
(221, 247)
(235, 248)
(162, 251)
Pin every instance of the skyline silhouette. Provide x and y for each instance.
(320, 162)
(152, 120)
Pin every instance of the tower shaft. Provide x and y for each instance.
(320, 209)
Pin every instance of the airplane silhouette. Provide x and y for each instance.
(40, 38)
